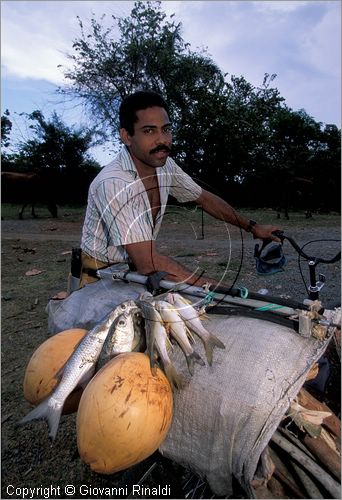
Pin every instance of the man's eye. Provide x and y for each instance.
(167, 130)
(148, 131)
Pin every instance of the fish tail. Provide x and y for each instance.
(193, 358)
(209, 345)
(173, 377)
(46, 411)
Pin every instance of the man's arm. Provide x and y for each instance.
(220, 209)
(148, 260)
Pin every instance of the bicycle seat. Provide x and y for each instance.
(270, 258)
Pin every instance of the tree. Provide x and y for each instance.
(59, 152)
(6, 127)
(219, 126)
(228, 134)
(148, 53)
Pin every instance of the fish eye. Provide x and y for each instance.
(122, 322)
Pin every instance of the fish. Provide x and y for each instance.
(77, 371)
(127, 334)
(191, 318)
(156, 338)
(139, 342)
(178, 331)
(125, 306)
(120, 339)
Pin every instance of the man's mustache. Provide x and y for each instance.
(161, 147)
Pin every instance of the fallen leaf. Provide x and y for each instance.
(67, 252)
(30, 250)
(33, 272)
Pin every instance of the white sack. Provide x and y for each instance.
(227, 414)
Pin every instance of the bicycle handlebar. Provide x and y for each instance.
(317, 260)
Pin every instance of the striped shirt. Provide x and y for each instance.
(119, 211)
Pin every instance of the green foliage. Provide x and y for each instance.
(6, 127)
(58, 152)
(54, 145)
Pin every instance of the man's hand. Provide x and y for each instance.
(265, 232)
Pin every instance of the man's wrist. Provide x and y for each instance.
(251, 224)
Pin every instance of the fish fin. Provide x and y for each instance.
(167, 327)
(193, 358)
(168, 342)
(209, 345)
(151, 355)
(150, 343)
(47, 411)
(170, 298)
(173, 377)
(190, 335)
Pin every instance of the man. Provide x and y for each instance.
(127, 199)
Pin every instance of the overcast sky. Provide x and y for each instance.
(298, 40)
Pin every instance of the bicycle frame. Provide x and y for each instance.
(315, 286)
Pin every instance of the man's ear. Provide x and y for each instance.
(125, 137)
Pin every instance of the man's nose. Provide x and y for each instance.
(162, 138)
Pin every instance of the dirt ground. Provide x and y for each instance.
(44, 244)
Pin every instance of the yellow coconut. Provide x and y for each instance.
(45, 363)
(124, 414)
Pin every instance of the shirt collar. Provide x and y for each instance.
(127, 162)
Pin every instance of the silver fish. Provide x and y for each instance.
(191, 318)
(119, 339)
(178, 330)
(77, 371)
(126, 306)
(156, 338)
(139, 342)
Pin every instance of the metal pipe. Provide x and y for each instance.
(199, 292)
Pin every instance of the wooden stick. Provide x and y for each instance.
(291, 437)
(325, 454)
(323, 477)
(284, 479)
(307, 482)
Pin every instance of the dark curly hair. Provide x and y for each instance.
(142, 99)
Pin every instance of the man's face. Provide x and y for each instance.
(152, 139)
